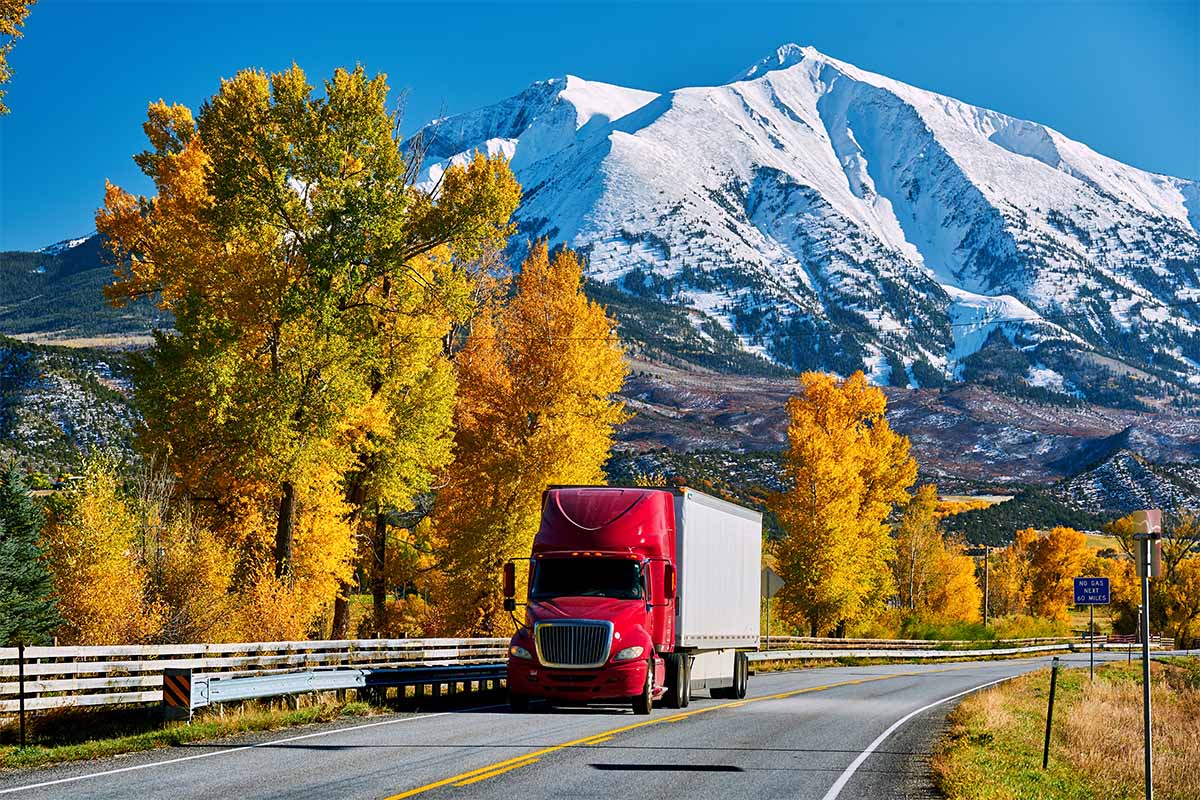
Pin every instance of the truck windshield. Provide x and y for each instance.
(586, 577)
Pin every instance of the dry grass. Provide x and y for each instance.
(115, 341)
(1103, 735)
(993, 750)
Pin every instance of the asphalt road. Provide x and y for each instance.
(842, 732)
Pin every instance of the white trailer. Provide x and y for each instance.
(718, 557)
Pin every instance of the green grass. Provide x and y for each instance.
(78, 736)
(993, 750)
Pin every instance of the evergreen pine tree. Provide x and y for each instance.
(28, 612)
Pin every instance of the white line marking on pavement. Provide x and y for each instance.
(231, 750)
(841, 782)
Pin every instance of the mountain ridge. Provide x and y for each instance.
(833, 218)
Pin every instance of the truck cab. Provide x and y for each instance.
(601, 607)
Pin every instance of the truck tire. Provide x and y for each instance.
(687, 681)
(518, 703)
(677, 689)
(741, 675)
(643, 703)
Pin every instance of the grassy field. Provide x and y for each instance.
(79, 735)
(993, 750)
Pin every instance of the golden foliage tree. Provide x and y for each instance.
(311, 285)
(1010, 575)
(955, 595)
(1057, 559)
(12, 20)
(1174, 601)
(537, 378)
(918, 544)
(934, 577)
(100, 576)
(847, 469)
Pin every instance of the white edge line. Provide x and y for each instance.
(229, 751)
(842, 780)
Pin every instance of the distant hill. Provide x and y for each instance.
(58, 404)
(58, 291)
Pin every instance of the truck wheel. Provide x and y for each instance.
(643, 703)
(518, 703)
(741, 675)
(687, 681)
(676, 681)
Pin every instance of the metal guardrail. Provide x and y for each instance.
(833, 654)
(65, 677)
(184, 692)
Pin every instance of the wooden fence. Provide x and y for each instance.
(65, 677)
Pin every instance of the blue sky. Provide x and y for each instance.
(1122, 77)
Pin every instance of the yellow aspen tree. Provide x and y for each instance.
(12, 20)
(100, 576)
(536, 406)
(846, 469)
(308, 280)
(1124, 589)
(954, 594)
(1183, 603)
(1057, 559)
(1010, 575)
(918, 545)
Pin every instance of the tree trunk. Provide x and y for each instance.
(283, 534)
(379, 573)
(341, 613)
(812, 624)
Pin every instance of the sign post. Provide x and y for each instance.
(771, 584)
(1092, 592)
(1149, 565)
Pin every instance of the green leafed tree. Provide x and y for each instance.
(28, 612)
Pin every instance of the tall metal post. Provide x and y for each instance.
(768, 647)
(1144, 545)
(1050, 712)
(986, 593)
(21, 686)
(1092, 640)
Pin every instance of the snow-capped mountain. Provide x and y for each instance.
(835, 218)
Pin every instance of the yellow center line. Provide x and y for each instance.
(491, 770)
(496, 772)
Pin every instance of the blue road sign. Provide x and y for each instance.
(1091, 592)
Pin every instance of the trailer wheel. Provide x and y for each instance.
(687, 681)
(518, 703)
(741, 675)
(643, 703)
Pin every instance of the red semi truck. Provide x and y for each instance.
(636, 595)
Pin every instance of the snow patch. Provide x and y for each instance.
(66, 244)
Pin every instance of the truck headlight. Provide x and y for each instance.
(516, 651)
(629, 653)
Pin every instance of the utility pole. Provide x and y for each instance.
(1149, 565)
(985, 551)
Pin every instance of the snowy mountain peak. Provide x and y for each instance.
(833, 218)
(785, 56)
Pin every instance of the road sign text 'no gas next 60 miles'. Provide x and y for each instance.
(1091, 592)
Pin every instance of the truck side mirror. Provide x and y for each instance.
(510, 583)
(669, 582)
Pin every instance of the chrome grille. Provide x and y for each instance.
(581, 644)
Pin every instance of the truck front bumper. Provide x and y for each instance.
(609, 682)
